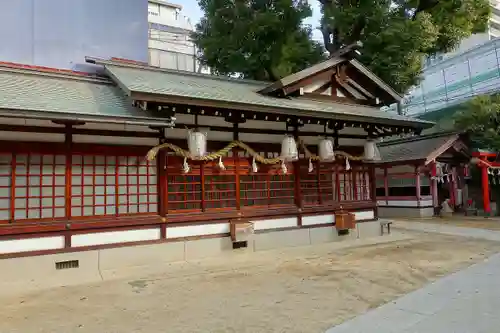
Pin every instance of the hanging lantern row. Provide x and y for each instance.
(197, 146)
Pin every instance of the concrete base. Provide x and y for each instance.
(405, 212)
(21, 275)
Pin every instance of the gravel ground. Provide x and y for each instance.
(306, 290)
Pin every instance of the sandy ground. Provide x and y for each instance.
(273, 292)
(492, 223)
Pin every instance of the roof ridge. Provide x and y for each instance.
(118, 62)
(417, 138)
(52, 72)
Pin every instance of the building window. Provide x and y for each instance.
(112, 185)
(33, 186)
(267, 187)
(39, 186)
(183, 189)
(5, 186)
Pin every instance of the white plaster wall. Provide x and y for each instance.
(205, 121)
(115, 140)
(405, 203)
(114, 237)
(32, 137)
(31, 244)
(364, 215)
(198, 230)
(318, 219)
(275, 223)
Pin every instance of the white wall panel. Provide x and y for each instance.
(275, 223)
(198, 230)
(31, 244)
(114, 237)
(364, 215)
(318, 219)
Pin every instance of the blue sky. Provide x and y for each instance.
(191, 10)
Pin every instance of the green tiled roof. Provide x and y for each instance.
(35, 93)
(238, 93)
(415, 148)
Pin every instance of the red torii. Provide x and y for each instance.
(481, 160)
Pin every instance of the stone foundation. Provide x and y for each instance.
(20, 275)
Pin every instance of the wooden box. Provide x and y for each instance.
(241, 230)
(344, 220)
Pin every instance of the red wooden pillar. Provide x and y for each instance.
(386, 185)
(485, 184)
(434, 189)
(417, 184)
(453, 187)
(373, 190)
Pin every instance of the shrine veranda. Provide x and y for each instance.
(75, 173)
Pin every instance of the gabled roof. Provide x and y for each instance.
(42, 93)
(425, 148)
(188, 88)
(343, 56)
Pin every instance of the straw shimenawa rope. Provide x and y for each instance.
(153, 152)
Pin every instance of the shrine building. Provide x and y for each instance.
(149, 161)
(416, 174)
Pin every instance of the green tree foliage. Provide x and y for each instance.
(480, 117)
(258, 39)
(398, 34)
(266, 39)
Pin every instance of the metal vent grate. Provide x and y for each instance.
(67, 264)
(240, 245)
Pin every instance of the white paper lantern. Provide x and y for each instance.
(197, 143)
(325, 150)
(371, 151)
(289, 150)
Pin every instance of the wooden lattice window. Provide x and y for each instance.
(326, 182)
(39, 186)
(220, 185)
(362, 184)
(345, 183)
(269, 186)
(309, 184)
(318, 186)
(112, 185)
(5, 186)
(183, 189)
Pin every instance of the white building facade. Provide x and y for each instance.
(170, 45)
(452, 78)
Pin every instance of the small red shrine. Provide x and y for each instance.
(488, 164)
(418, 173)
